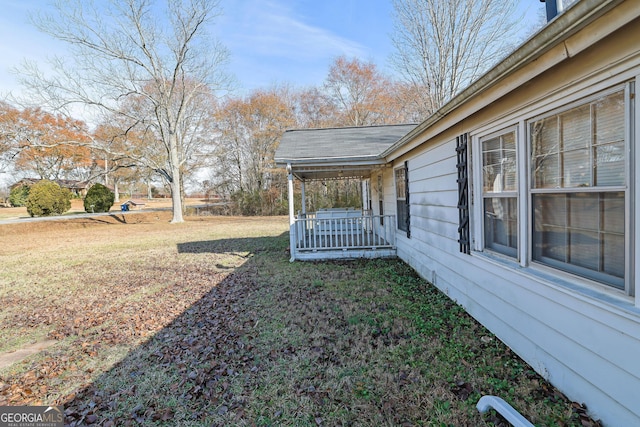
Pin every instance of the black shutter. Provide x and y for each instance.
(406, 198)
(463, 193)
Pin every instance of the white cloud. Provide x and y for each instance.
(270, 41)
(280, 41)
(270, 28)
(286, 36)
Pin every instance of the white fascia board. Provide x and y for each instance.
(553, 42)
(336, 161)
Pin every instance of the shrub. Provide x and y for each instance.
(98, 199)
(18, 196)
(47, 198)
(265, 202)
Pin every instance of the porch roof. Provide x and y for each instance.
(337, 152)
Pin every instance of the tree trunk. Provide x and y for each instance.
(175, 184)
(182, 192)
(106, 172)
(176, 201)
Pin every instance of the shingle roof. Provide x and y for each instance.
(338, 143)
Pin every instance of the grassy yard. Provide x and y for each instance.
(207, 323)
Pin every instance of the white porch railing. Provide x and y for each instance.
(346, 230)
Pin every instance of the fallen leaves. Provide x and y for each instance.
(130, 309)
(462, 390)
(183, 339)
(202, 348)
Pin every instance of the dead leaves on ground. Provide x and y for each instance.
(122, 312)
(200, 329)
(204, 351)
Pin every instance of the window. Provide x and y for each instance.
(565, 205)
(578, 189)
(499, 193)
(402, 198)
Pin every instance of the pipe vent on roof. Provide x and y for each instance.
(552, 8)
(556, 7)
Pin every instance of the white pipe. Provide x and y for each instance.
(503, 408)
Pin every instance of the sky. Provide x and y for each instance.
(270, 41)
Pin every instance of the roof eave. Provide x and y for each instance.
(563, 26)
(326, 161)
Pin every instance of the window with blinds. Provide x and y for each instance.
(578, 183)
(499, 192)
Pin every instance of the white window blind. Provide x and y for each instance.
(578, 198)
(499, 191)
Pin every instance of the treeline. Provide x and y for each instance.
(157, 122)
(354, 93)
(231, 155)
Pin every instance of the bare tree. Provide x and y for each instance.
(358, 94)
(249, 132)
(314, 109)
(443, 45)
(357, 89)
(136, 53)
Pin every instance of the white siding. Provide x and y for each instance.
(584, 339)
(433, 188)
(584, 347)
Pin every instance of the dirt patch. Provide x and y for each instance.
(77, 206)
(140, 217)
(9, 358)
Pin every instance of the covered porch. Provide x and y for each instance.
(334, 154)
(342, 233)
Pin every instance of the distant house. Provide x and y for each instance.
(77, 188)
(519, 199)
(134, 204)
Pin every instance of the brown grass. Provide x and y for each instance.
(207, 323)
(77, 206)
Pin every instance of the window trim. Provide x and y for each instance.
(625, 87)
(520, 123)
(404, 198)
(481, 195)
(631, 205)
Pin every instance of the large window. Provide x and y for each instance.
(578, 189)
(499, 192)
(564, 204)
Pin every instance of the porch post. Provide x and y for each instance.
(290, 182)
(304, 198)
(292, 218)
(364, 190)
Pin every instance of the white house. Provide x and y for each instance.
(518, 199)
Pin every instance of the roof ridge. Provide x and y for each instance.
(351, 127)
